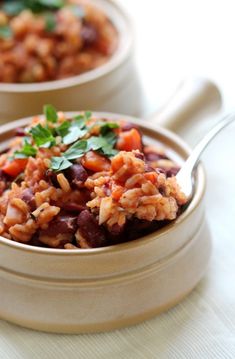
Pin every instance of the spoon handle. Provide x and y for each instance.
(193, 99)
(184, 176)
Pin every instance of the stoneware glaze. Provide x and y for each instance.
(113, 86)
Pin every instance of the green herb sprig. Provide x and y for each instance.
(72, 132)
(5, 32)
(14, 7)
(27, 149)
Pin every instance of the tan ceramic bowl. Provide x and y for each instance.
(111, 87)
(91, 290)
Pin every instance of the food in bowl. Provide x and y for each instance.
(84, 182)
(44, 40)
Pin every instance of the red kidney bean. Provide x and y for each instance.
(73, 207)
(116, 230)
(76, 174)
(89, 34)
(61, 224)
(154, 156)
(3, 176)
(128, 126)
(4, 151)
(160, 170)
(20, 132)
(148, 168)
(140, 156)
(90, 229)
(172, 171)
(4, 181)
(51, 176)
(28, 197)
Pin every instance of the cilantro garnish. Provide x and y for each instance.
(14, 7)
(102, 144)
(50, 21)
(76, 150)
(107, 126)
(63, 129)
(26, 151)
(72, 133)
(50, 113)
(5, 32)
(60, 163)
(42, 136)
(87, 115)
(77, 10)
(76, 130)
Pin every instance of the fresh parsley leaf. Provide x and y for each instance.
(50, 113)
(108, 151)
(60, 163)
(71, 131)
(13, 8)
(95, 143)
(77, 10)
(87, 115)
(38, 6)
(73, 135)
(42, 136)
(52, 3)
(80, 121)
(111, 138)
(76, 150)
(5, 32)
(27, 150)
(76, 130)
(50, 21)
(108, 126)
(63, 129)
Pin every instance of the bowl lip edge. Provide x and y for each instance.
(195, 202)
(123, 52)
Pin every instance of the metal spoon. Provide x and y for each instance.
(185, 176)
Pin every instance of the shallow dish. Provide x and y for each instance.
(77, 291)
(112, 86)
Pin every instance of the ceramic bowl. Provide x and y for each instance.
(113, 86)
(92, 290)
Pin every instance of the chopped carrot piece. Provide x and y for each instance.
(117, 192)
(95, 162)
(117, 163)
(15, 167)
(129, 140)
(151, 176)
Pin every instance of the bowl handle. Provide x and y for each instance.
(194, 98)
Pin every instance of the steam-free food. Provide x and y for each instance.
(84, 182)
(45, 40)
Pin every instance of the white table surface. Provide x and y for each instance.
(174, 39)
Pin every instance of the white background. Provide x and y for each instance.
(174, 39)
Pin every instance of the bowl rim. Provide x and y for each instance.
(123, 51)
(194, 203)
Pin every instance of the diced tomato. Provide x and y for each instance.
(15, 167)
(117, 192)
(129, 140)
(151, 176)
(117, 163)
(95, 162)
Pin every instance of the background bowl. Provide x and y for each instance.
(77, 291)
(113, 86)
